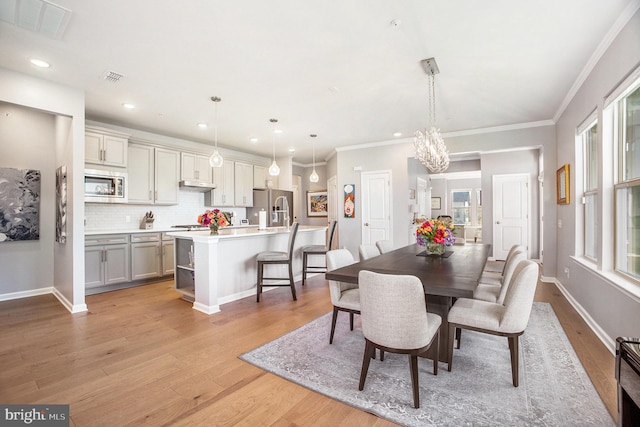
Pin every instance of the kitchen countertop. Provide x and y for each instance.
(228, 232)
(160, 229)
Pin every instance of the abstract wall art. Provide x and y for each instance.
(349, 201)
(61, 204)
(19, 204)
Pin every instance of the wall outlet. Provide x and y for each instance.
(567, 271)
(127, 218)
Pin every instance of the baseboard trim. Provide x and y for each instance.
(26, 294)
(78, 308)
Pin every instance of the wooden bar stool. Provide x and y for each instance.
(271, 257)
(317, 250)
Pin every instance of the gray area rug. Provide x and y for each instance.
(554, 388)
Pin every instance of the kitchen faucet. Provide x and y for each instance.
(285, 209)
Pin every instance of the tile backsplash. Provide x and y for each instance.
(101, 216)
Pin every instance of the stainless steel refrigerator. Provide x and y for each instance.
(277, 203)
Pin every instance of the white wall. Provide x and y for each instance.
(67, 148)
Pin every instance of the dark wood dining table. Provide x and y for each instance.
(444, 278)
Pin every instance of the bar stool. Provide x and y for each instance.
(272, 257)
(317, 250)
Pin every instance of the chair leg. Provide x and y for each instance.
(304, 267)
(413, 367)
(291, 282)
(381, 355)
(452, 331)
(435, 360)
(259, 282)
(351, 320)
(369, 351)
(458, 337)
(333, 324)
(513, 349)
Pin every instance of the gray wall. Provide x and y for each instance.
(307, 185)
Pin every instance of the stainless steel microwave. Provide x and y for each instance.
(105, 186)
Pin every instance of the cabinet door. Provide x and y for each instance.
(116, 264)
(115, 151)
(140, 170)
(188, 167)
(243, 184)
(93, 272)
(166, 174)
(259, 177)
(93, 148)
(167, 258)
(204, 169)
(223, 178)
(145, 260)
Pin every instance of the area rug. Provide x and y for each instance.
(554, 388)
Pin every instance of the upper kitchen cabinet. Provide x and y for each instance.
(105, 148)
(223, 178)
(153, 175)
(243, 184)
(259, 177)
(195, 167)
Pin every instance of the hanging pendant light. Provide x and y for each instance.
(274, 170)
(314, 175)
(429, 145)
(216, 159)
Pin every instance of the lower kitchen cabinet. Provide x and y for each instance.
(106, 260)
(146, 261)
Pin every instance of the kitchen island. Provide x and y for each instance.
(211, 270)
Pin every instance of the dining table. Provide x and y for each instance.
(444, 278)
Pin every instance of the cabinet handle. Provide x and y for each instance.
(156, 194)
(150, 195)
(197, 174)
(104, 255)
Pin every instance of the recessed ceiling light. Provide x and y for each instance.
(277, 131)
(254, 140)
(397, 134)
(202, 125)
(128, 106)
(334, 89)
(292, 150)
(40, 63)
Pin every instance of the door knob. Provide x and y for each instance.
(497, 222)
(366, 224)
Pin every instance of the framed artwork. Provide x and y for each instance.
(317, 203)
(562, 185)
(436, 203)
(19, 204)
(61, 204)
(349, 201)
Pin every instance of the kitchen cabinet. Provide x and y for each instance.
(106, 260)
(224, 193)
(243, 184)
(259, 177)
(153, 175)
(107, 149)
(168, 256)
(146, 256)
(195, 167)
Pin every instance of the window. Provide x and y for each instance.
(627, 187)
(461, 206)
(590, 195)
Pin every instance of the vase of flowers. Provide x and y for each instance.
(435, 235)
(214, 219)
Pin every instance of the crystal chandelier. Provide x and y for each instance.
(216, 159)
(429, 144)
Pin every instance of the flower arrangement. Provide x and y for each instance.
(435, 231)
(213, 219)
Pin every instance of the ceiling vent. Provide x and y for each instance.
(112, 76)
(39, 16)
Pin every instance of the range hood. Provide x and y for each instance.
(196, 186)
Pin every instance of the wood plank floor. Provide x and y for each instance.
(143, 356)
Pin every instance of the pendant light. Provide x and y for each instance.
(216, 159)
(274, 170)
(314, 175)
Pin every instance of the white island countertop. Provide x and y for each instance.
(233, 232)
(158, 229)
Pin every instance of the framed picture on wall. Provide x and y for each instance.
(562, 183)
(436, 203)
(317, 203)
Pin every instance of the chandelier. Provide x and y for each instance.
(429, 144)
(274, 170)
(314, 175)
(216, 159)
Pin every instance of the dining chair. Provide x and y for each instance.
(272, 257)
(496, 268)
(367, 251)
(495, 290)
(506, 320)
(344, 296)
(384, 246)
(393, 311)
(317, 250)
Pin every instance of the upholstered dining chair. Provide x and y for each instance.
(367, 251)
(272, 257)
(317, 250)
(394, 316)
(506, 320)
(384, 246)
(494, 290)
(344, 296)
(495, 269)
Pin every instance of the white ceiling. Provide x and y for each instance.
(336, 68)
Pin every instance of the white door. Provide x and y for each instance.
(376, 207)
(510, 213)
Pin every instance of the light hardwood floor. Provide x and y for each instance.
(142, 356)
